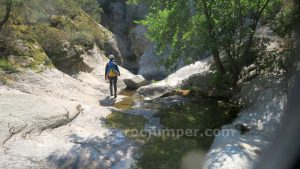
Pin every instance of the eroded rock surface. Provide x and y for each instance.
(197, 75)
(241, 142)
(138, 52)
(135, 82)
(52, 120)
(263, 96)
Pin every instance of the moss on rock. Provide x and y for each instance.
(7, 66)
(52, 40)
(54, 30)
(28, 53)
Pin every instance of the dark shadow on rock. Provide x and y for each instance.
(107, 101)
(92, 152)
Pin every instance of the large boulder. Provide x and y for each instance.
(196, 75)
(135, 82)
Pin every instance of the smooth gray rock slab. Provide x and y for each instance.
(135, 82)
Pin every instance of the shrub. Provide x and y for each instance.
(286, 18)
(84, 39)
(52, 40)
(6, 65)
(92, 8)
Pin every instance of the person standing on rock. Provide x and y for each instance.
(112, 72)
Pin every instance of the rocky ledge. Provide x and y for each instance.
(244, 140)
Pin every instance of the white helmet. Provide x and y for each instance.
(111, 57)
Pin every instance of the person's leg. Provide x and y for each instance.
(111, 86)
(115, 86)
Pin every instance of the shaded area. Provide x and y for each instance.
(94, 152)
(125, 121)
(166, 151)
(203, 114)
(107, 101)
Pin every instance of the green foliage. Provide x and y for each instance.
(92, 8)
(71, 7)
(220, 81)
(52, 40)
(12, 3)
(170, 28)
(273, 61)
(192, 27)
(6, 7)
(83, 23)
(6, 65)
(28, 53)
(78, 29)
(286, 18)
(22, 49)
(83, 38)
(66, 7)
(36, 27)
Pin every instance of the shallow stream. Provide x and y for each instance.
(170, 129)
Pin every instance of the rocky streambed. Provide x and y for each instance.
(170, 132)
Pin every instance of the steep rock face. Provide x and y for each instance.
(150, 64)
(138, 52)
(118, 17)
(67, 49)
(139, 42)
(264, 96)
(239, 144)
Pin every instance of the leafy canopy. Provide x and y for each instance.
(191, 28)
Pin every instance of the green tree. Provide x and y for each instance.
(91, 7)
(192, 27)
(8, 5)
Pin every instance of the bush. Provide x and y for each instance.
(92, 8)
(52, 40)
(84, 39)
(6, 65)
(286, 18)
(220, 81)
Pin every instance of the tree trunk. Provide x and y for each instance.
(214, 48)
(217, 60)
(234, 69)
(7, 13)
(254, 26)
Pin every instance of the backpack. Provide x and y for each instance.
(112, 72)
